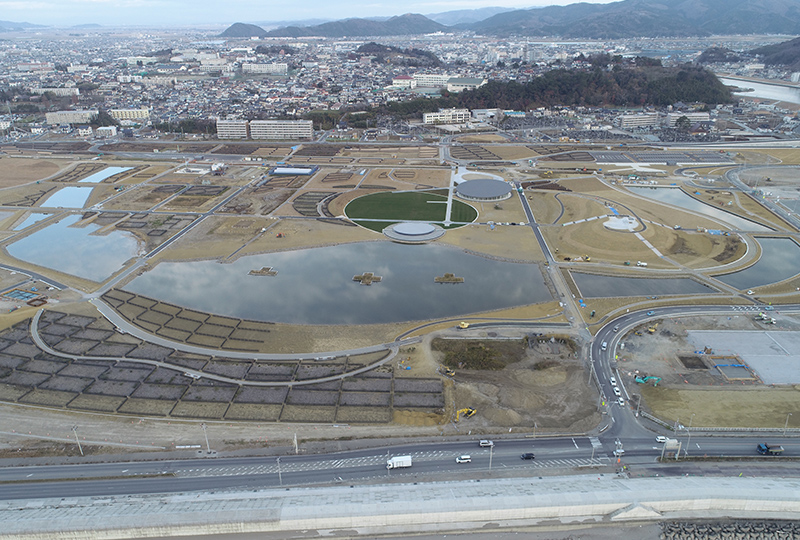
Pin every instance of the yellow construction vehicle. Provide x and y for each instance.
(463, 325)
(653, 328)
(449, 372)
(469, 411)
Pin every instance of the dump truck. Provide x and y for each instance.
(770, 449)
(398, 462)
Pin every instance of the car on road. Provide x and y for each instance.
(617, 391)
(769, 308)
(486, 443)
(651, 313)
(613, 381)
(616, 328)
(464, 459)
(619, 452)
(621, 402)
(528, 455)
(661, 439)
(750, 291)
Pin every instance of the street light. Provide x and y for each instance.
(786, 424)
(208, 447)
(280, 478)
(75, 431)
(689, 441)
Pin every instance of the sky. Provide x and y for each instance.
(64, 13)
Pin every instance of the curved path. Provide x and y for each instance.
(37, 339)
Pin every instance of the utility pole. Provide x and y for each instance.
(75, 431)
(208, 447)
(280, 478)
(786, 425)
(491, 448)
(689, 440)
(296, 451)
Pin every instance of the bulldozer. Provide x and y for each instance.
(467, 412)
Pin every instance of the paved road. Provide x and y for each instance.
(429, 460)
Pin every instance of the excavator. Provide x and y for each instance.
(449, 372)
(642, 380)
(467, 412)
(653, 329)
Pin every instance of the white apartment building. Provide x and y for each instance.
(70, 117)
(4, 125)
(432, 80)
(232, 129)
(106, 132)
(282, 129)
(129, 114)
(63, 92)
(693, 117)
(403, 81)
(457, 84)
(271, 69)
(629, 121)
(447, 116)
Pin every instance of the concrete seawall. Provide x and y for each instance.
(404, 508)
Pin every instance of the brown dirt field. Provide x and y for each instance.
(482, 138)
(214, 237)
(17, 171)
(501, 211)
(544, 205)
(306, 233)
(337, 205)
(743, 407)
(509, 242)
(137, 199)
(553, 394)
(512, 152)
(741, 205)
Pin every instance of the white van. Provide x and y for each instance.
(640, 263)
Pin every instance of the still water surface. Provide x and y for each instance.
(68, 197)
(597, 286)
(102, 175)
(764, 91)
(75, 251)
(677, 197)
(780, 259)
(315, 286)
(35, 217)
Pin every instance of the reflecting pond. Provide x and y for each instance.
(789, 94)
(315, 286)
(34, 217)
(73, 250)
(99, 176)
(780, 259)
(598, 286)
(677, 197)
(68, 197)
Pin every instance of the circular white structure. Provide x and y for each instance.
(484, 189)
(623, 223)
(414, 229)
(413, 232)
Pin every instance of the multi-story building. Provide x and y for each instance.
(70, 117)
(282, 129)
(271, 69)
(432, 80)
(63, 92)
(630, 121)
(457, 84)
(693, 117)
(447, 116)
(232, 129)
(106, 132)
(129, 114)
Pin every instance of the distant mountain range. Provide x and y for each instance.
(408, 24)
(648, 18)
(628, 18)
(8, 26)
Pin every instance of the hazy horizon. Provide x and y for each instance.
(67, 13)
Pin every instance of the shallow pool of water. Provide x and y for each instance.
(677, 197)
(68, 197)
(35, 217)
(75, 251)
(780, 259)
(99, 176)
(597, 286)
(315, 286)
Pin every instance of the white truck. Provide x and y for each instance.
(398, 462)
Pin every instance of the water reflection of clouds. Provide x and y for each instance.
(315, 286)
(597, 286)
(780, 260)
(75, 251)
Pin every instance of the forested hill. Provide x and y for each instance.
(617, 88)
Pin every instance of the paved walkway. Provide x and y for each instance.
(406, 507)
